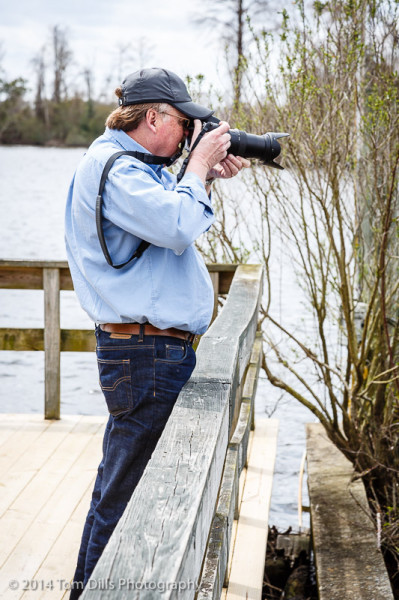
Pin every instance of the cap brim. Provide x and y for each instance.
(192, 110)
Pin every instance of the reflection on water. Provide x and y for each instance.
(33, 187)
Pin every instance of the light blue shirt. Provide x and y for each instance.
(169, 285)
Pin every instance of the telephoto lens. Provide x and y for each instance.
(262, 147)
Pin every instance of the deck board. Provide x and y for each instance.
(8, 425)
(26, 452)
(45, 495)
(248, 548)
(24, 509)
(63, 552)
(23, 436)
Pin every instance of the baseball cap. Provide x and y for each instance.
(161, 85)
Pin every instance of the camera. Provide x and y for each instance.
(262, 147)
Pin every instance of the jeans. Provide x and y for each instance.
(141, 377)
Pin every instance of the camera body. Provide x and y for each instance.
(261, 147)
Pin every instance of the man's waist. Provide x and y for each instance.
(147, 329)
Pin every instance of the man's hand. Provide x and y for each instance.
(211, 149)
(210, 159)
(228, 167)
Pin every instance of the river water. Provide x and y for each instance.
(33, 187)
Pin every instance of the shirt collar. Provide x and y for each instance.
(128, 143)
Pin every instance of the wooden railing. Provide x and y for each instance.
(52, 277)
(173, 539)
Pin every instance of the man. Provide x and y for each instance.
(148, 308)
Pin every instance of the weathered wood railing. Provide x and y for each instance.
(52, 277)
(173, 539)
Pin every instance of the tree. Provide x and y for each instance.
(230, 17)
(331, 80)
(88, 79)
(11, 107)
(62, 57)
(124, 56)
(39, 66)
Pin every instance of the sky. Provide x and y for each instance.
(100, 32)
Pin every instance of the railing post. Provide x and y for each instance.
(52, 337)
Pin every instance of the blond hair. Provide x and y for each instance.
(129, 117)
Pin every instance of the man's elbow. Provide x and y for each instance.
(181, 242)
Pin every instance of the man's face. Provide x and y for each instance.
(172, 129)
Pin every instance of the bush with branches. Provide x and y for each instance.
(330, 79)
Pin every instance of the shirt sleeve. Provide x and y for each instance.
(138, 202)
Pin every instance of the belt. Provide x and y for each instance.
(147, 329)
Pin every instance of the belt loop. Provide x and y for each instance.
(141, 334)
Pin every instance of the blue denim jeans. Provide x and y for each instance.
(141, 377)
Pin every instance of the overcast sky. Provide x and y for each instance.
(98, 29)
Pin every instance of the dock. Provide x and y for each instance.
(47, 471)
(204, 497)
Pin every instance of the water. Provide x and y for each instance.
(33, 187)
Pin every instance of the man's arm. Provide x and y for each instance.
(139, 204)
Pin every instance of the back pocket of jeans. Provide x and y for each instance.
(115, 382)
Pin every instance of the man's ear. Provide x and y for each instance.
(151, 118)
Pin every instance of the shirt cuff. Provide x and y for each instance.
(197, 188)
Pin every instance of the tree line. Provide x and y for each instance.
(57, 118)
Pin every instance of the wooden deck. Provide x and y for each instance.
(47, 469)
(248, 547)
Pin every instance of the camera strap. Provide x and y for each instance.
(149, 159)
(186, 160)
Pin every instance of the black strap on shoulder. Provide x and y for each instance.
(143, 157)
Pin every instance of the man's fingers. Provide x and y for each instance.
(230, 166)
(238, 161)
(244, 162)
(223, 126)
(226, 141)
(214, 145)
